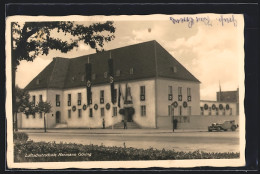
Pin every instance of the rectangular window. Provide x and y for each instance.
(90, 112)
(201, 110)
(179, 90)
(114, 111)
(69, 113)
(131, 70)
(102, 110)
(142, 93)
(179, 93)
(180, 110)
(33, 100)
(57, 100)
(40, 98)
(143, 110)
(230, 111)
(169, 110)
(79, 113)
(188, 94)
(69, 99)
(170, 93)
(115, 95)
(40, 114)
(90, 101)
(209, 110)
(189, 110)
(102, 96)
(224, 112)
(79, 98)
(216, 111)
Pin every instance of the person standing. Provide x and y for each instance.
(125, 124)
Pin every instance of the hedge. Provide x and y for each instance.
(20, 136)
(51, 151)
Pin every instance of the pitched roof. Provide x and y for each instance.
(68, 73)
(228, 96)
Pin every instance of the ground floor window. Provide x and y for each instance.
(189, 110)
(90, 112)
(69, 113)
(40, 114)
(230, 111)
(169, 110)
(102, 112)
(114, 111)
(180, 110)
(143, 110)
(209, 110)
(79, 113)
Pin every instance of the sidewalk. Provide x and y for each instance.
(111, 131)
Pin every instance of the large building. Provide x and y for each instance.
(227, 104)
(153, 84)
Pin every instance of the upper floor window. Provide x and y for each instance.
(115, 95)
(170, 93)
(33, 100)
(188, 94)
(79, 98)
(40, 98)
(179, 93)
(90, 112)
(142, 93)
(102, 96)
(131, 70)
(69, 99)
(57, 100)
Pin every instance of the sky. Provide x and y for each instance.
(208, 45)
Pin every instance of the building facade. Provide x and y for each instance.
(148, 82)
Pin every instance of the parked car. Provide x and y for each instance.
(223, 126)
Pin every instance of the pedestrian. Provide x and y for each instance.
(103, 123)
(125, 124)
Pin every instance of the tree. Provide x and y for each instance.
(21, 102)
(30, 39)
(44, 107)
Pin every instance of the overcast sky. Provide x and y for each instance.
(210, 51)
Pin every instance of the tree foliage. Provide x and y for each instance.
(44, 107)
(36, 38)
(21, 100)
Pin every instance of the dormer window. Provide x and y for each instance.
(82, 78)
(175, 69)
(37, 81)
(93, 77)
(118, 72)
(131, 70)
(105, 74)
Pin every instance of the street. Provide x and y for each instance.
(179, 140)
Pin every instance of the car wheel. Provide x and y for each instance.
(233, 127)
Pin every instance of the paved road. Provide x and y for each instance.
(179, 141)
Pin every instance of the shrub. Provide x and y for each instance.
(20, 136)
(50, 151)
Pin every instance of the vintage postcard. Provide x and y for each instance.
(125, 91)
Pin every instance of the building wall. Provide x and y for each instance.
(231, 111)
(163, 102)
(30, 121)
(194, 122)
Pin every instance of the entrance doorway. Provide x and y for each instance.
(129, 112)
(57, 117)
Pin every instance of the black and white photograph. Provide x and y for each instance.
(126, 91)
